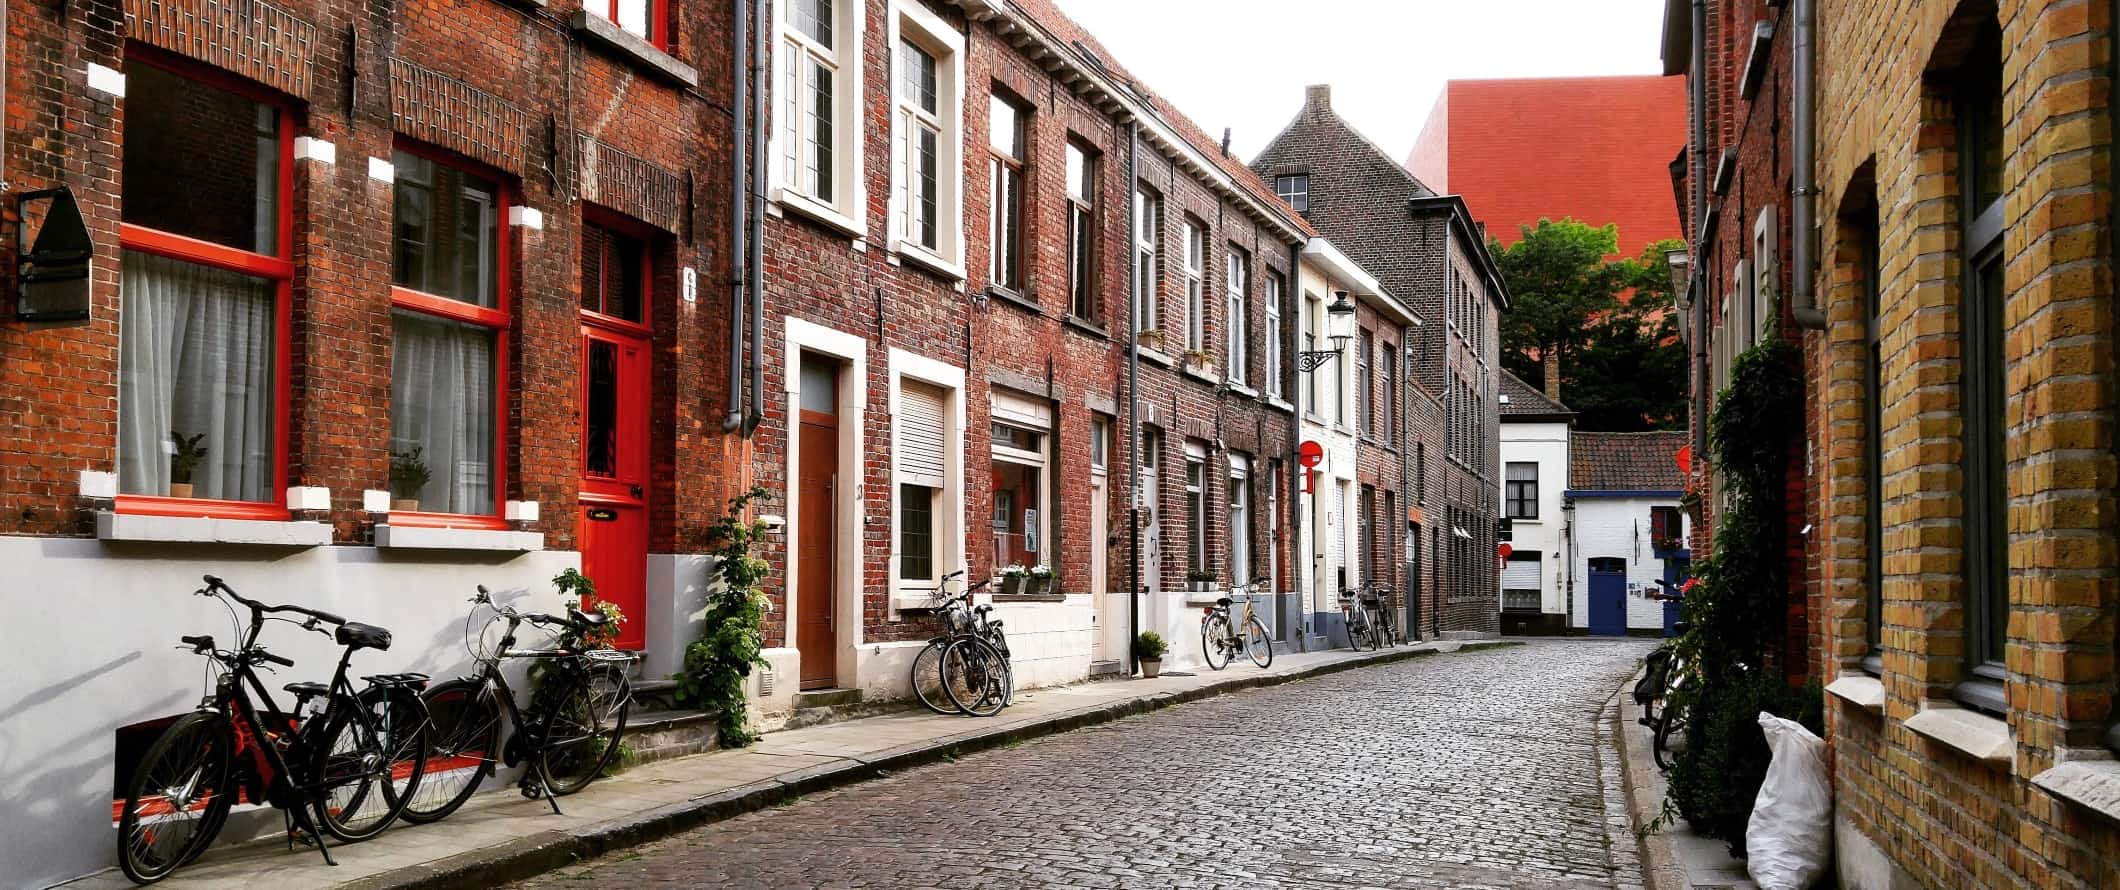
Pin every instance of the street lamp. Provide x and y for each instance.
(1339, 326)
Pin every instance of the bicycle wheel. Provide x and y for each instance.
(1373, 632)
(976, 677)
(464, 727)
(1672, 725)
(1257, 642)
(583, 732)
(178, 797)
(368, 763)
(1355, 629)
(1215, 640)
(927, 678)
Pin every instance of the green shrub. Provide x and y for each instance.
(734, 636)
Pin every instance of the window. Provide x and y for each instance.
(919, 448)
(1021, 429)
(614, 273)
(648, 20)
(926, 131)
(1368, 508)
(1872, 446)
(1520, 582)
(1390, 357)
(1082, 232)
(1314, 318)
(204, 296)
(1100, 442)
(449, 331)
(1273, 333)
(1981, 399)
(1520, 495)
(1195, 286)
(1240, 570)
(1666, 530)
(1237, 320)
(1420, 471)
(1365, 412)
(1195, 507)
(1005, 136)
(1295, 190)
(1148, 258)
(818, 158)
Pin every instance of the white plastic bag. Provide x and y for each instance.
(1789, 842)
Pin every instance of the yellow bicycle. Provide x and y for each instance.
(1221, 639)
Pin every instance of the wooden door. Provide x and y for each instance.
(614, 461)
(816, 542)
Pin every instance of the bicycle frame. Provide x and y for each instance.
(494, 682)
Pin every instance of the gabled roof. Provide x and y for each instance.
(1524, 403)
(1625, 461)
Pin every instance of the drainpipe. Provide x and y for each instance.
(1412, 585)
(1803, 204)
(739, 208)
(1298, 555)
(1133, 400)
(758, 221)
(1697, 80)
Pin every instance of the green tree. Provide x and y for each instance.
(1558, 283)
(1607, 328)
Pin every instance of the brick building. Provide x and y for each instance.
(1957, 326)
(1523, 149)
(1427, 251)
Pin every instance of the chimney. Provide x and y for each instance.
(1317, 97)
(1225, 142)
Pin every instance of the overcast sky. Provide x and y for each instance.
(1244, 63)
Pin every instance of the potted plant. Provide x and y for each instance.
(1012, 579)
(1200, 359)
(1041, 580)
(1151, 338)
(408, 475)
(1200, 580)
(183, 459)
(1148, 650)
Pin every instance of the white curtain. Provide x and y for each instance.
(195, 357)
(441, 401)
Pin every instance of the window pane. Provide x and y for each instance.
(600, 445)
(925, 156)
(1018, 520)
(447, 223)
(1079, 177)
(441, 403)
(633, 17)
(611, 272)
(916, 532)
(1099, 442)
(195, 363)
(1004, 127)
(200, 162)
(919, 68)
(814, 19)
(820, 162)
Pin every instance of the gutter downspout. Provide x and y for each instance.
(739, 208)
(1697, 81)
(1133, 399)
(757, 283)
(1298, 553)
(1412, 584)
(1803, 297)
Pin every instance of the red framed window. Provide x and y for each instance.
(449, 271)
(205, 293)
(646, 19)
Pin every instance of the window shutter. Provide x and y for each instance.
(920, 434)
(1520, 574)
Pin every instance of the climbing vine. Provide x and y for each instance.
(717, 664)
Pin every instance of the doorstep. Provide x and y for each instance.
(499, 836)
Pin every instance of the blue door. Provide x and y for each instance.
(1608, 597)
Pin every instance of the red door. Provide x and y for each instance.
(816, 626)
(614, 425)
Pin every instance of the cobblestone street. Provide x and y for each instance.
(1480, 769)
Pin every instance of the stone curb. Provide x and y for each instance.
(544, 851)
(1661, 865)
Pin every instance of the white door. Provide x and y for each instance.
(1151, 515)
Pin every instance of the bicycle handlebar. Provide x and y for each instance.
(270, 658)
(216, 585)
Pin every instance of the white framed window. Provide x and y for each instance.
(1008, 153)
(1022, 487)
(1240, 570)
(816, 157)
(1295, 190)
(1148, 258)
(927, 474)
(1082, 187)
(927, 130)
(1195, 285)
(1238, 320)
(1272, 382)
(1195, 508)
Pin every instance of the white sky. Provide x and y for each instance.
(1244, 63)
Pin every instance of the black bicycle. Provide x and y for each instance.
(966, 670)
(1387, 622)
(1358, 610)
(568, 735)
(349, 764)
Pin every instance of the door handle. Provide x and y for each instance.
(636, 491)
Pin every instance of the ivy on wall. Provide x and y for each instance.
(717, 664)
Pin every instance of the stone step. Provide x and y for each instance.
(666, 733)
(659, 695)
(826, 698)
(1106, 669)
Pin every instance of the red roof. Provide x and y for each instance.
(1595, 148)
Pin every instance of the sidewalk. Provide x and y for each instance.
(500, 836)
(1674, 857)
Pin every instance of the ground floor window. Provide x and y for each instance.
(196, 383)
(1520, 582)
(916, 530)
(442, 412)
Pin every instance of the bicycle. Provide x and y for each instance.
(1355, 612)
(968, 666)
(348, 765)
(1387, 622)
(1660, 693)
(1219, 640)
(568, 735)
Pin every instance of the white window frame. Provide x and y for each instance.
(1237, 342)
(908, 593)
(1289, 196)
(1240, 519)
(790, 49)
(911, 22)
(1036, 416)
(1147, 293)
(1274, 289)
(1197, 503)
(1195, 286)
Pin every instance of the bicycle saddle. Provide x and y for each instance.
(356, 635)
(307, 689)
(588, 619)
(983, 609)
(1224, 602)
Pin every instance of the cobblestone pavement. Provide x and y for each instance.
(1478, 769)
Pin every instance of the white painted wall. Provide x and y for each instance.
(1545, 444)
(91, 645)
(1619, 527)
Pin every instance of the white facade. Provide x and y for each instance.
(1544, 446)
(1617, 526)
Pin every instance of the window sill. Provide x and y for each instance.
(2092, 783)
(1202, 376)
(1277, 403)
(1861, 691)
(1969, 732)
(1204, 597)
(1086, 326)
(640, 52)
(923, 258)
(921, 600)
(1012, 298)
(1238, 387)
(137, 528)
(417, 537)
(1029, 598)
(1158, 358)
(1526, 520)
(819, 212)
